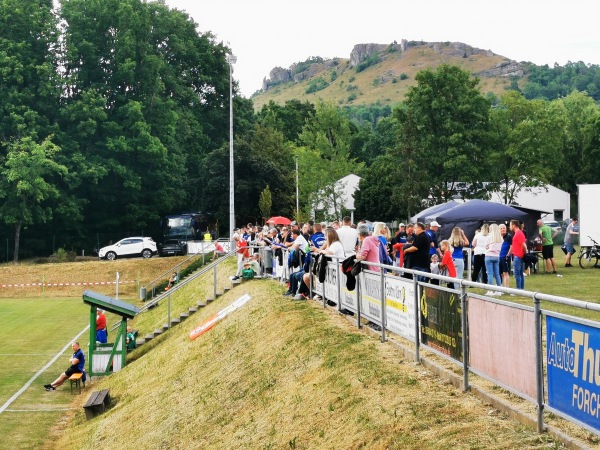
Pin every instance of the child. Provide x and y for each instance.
(447, 264)
(435, 268)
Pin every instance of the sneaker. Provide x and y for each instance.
(49, 387)
(490, 293)
(299, 297)
(568, 265)
(318, 298)
(288, 293)
(235, 278)
(554, 272)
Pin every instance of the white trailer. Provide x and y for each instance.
(589, 213)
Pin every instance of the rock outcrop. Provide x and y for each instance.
(504, 69)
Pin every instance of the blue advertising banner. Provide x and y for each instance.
(574, 370)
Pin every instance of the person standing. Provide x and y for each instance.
(432, 233)
(419, 251)
(493, 247)
(504, 255)
(570, 233)
(518, 249)
(348, 236)
(101, 332)
(447, 264)
(479, 242)
(547, 235)
(369, 248)
(458, 240)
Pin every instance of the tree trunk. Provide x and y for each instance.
(17, 237)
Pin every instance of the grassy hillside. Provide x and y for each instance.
(281, 374)
(386, 81)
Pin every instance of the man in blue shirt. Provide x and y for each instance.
(318, 238)
(77, 364)
(432, 233)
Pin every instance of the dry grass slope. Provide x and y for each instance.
(281, 374)
(381, 82)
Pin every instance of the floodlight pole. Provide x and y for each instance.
(297, 197)
(231, 59)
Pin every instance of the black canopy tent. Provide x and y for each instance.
(473, 213)
(429, 214)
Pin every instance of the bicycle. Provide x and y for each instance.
(589, 256)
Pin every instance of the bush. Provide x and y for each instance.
(61, 255)
(352, 78)
(403, 76)
(318, 84)
(370, 61)
(352, 97)
(334, 76)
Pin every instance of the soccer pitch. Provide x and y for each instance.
(32, 333)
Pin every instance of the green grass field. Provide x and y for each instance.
(33, 331)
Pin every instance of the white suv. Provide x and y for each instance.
(132, 246)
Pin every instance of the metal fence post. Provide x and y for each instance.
(202, 250)
(539, 375)
(358, 302)
(464, 343)
(417, 318)
(339, 289)
(169, 312)
(215, 281)
(382, 295)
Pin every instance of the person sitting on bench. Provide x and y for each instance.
(130, 339)
(77, 364)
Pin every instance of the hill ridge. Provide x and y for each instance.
(387, 68)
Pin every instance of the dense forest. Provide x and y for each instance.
(116, 112)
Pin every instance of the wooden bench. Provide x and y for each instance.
(76, 379)
(97, 403)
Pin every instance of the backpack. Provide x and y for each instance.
(247, 274)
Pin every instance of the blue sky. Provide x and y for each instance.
(268, 33)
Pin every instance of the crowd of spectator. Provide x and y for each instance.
(496, 250)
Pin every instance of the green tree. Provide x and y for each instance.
(265, 202)
(29, 183)
(527, 144)
(444, 130)
(325, 158)
(29, 86)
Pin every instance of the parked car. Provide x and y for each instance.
(129, 247)
(554, 225)
(171, 247)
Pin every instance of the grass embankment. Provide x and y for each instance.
(281, 374)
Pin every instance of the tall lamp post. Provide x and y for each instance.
(297, 197)
(231, 59)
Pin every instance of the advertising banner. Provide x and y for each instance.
(441, 326)
(497, 330)
(573, 367)
(400, 304)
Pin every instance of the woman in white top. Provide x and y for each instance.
(478, 243)
(492, 257)
(333, 247)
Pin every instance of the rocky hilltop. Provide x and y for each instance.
(384, 71)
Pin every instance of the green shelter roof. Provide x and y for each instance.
(110, 304)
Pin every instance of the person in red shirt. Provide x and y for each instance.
(447, 263)
(101, 333)
(518, 249)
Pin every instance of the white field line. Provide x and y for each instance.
(39, 372)
(40, 410)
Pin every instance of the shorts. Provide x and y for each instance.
(570, 248)
(71, 370)
(504, 265)
(548, 251)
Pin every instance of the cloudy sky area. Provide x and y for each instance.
(264, 34)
